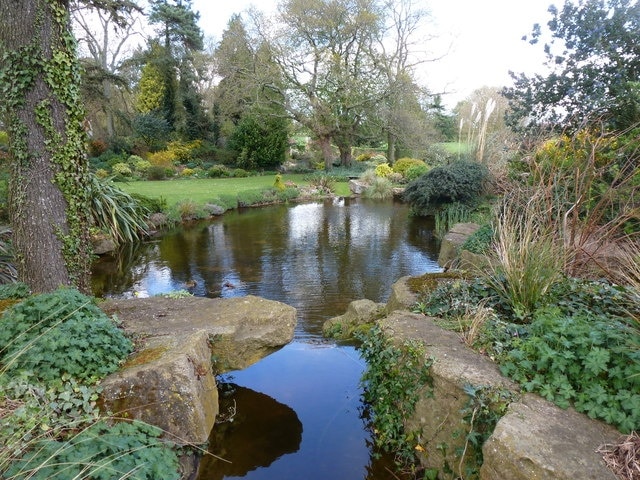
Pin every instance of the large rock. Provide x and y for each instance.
(537, 439)
(452, 241)
(170, 382)
(242, 330)
(402, 297)
(359, 312)
(534, 440)
(438, 412)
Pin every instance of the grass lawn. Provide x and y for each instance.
(203, 190)
(455, 147)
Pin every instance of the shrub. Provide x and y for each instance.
(415, 171)
(156, 172)
(96, 147)
(102, 173)
(139, 164)
(163, 158)
(364, 157)
(248, 198)
(122, 169)
(383, 170)
(239, 173)
(218, 171)
(378, 159)
(460, 182)
(278, 183)
(187, 172)
(380, 189)
(403, 164)
(61, 332)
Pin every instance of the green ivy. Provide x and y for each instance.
(60, 332)
(101, 452)
(396, 377)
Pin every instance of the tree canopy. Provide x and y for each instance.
(594, 68)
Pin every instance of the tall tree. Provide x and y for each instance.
(104, 35)
(235, 65)
(40, 105)
(325, 55)
(398, 44)
(180, 37)
(594, 63)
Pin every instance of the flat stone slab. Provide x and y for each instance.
(242, 330)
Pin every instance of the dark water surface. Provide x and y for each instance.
(296, 413)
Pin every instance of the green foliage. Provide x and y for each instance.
(116, 212)
(261, 140)
(396, 377)
(122, 169)
(402, 165)
(60, 332)
(248, 198)
(583, 360)
(150, 204)
(448, 215)
(593, 70)
(579, 350)
(485, 407)
(380, 189)
(383, 170)
(101, 452)
(415, 171)
(14, 290)
(156, 172)
(239, 173)
(462, 182)
(480, 241)
(218, 171)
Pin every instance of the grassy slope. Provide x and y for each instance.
(205, 190)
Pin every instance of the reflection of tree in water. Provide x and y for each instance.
(115, 273)
(261, 431)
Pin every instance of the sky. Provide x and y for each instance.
(479, 40)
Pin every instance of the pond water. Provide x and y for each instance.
(298, 412)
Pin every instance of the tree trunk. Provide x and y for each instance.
(48, 199)
(325, 147)
(391, 148)
(345, 155)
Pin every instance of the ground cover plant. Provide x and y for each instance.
(577, 348)
(50, 424)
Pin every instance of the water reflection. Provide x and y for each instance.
(317, 257)
(257, 431)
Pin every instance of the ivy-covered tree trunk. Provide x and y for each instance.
(40, 106)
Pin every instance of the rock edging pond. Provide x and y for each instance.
(534, 439)
(169, 382)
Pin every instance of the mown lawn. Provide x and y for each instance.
(203, 190)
